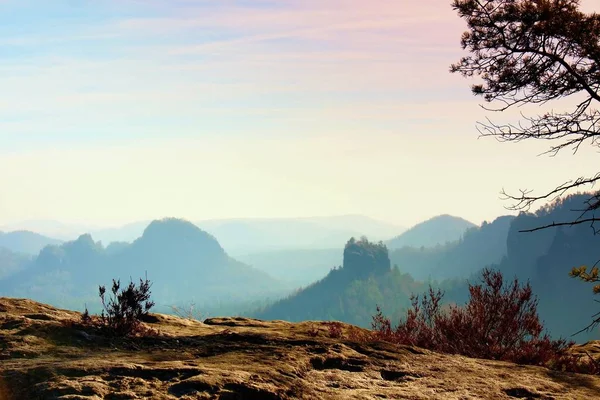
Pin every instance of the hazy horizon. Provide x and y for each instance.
(40, 223)
(113, 112)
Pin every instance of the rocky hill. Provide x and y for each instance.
(184, 263)
(43, 356)
(350, 293)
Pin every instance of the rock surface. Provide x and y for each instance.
(42, 356)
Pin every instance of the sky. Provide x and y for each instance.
(121, 110)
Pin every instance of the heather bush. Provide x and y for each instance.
(123, 312)
(335, 329)
(86, 318)
(499, 322)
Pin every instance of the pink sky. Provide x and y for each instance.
(280, 108)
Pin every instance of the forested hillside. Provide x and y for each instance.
(367, 278)
(351, 292)
(478, 247)
(546, 258)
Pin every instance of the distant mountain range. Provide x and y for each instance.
(247, 236)
(477, 247)
(50, 228)
(543, 258)
(187, 263)
(304, 266)
(25, 242)
(295, 251)
(268, 244)
(242, 235)
(184, 263)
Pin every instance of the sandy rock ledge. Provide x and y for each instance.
(42, 357)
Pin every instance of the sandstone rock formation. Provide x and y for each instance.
(42, 356)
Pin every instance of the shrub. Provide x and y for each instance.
(419, 327)
(335, 329)
(499, 322)
(123, 312)
(86, 319)
(187, 312)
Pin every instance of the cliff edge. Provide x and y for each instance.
(44, 356)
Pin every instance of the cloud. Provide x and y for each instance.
(329, 20)
(297, 106)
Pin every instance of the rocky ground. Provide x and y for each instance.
(42, 356)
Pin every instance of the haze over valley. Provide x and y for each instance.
(310, 279)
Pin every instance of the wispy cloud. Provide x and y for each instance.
(297, 106)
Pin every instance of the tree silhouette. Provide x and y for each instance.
(538, 52)
(535, 52)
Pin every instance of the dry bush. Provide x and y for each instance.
(500, 322)
(335, 329)
(187, 312)
(123, 312)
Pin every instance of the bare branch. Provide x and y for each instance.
(535, 52)
(555, 224)
(525, 201)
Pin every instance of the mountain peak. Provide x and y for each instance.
(437, 230)
(172, 225)
(175, 233)
(362, 257)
